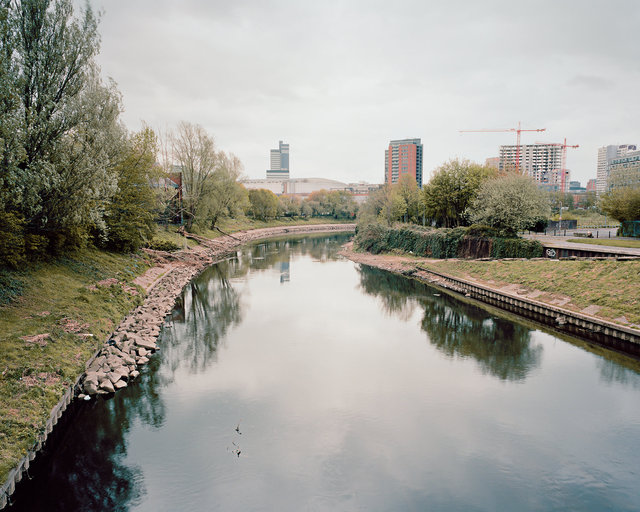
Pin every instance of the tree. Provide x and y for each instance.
(195, 152)
(622, 203)
(58, 121)
(130, 214)
(510, 204)
(291, 206)
(222, 196)
(451, 189)
(264, 204)
(407, 189)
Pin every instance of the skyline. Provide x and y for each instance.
(338, 80)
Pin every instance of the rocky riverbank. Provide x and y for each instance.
(135, 339)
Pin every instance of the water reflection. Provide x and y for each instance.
(208, 307)
(502, 348)
(84, 466)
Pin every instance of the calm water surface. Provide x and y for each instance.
(350, 389)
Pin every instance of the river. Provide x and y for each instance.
(291, 379)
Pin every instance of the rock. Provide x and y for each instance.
(143, 360)
(120, 384)
(142, 352)
(149, 344)
(90, 387)
(134, 374)
(107, 385)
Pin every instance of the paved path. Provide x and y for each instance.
(562, 242)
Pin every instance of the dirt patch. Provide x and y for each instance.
(37, 339)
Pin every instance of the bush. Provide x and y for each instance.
(12, 237)
(163, 245)
(472, 242)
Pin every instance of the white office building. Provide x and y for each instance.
(606, 155)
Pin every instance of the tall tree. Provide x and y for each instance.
(195, 153)
(130, 214)
(451, 189)
(59, 129)
(223, 195)
(510, 204)
(622, 203)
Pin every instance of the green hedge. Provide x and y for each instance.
(471, 242)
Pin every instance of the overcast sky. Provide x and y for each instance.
(338, 79)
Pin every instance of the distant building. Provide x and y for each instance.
(403, 157)
(303, 187)
(493, 162)
(543, 162)
(591, 185)
(279, 162)
(606, 154)
(576, 187)
(624, 171)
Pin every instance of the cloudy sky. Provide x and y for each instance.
(338, 79)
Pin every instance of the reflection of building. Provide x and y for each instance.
(606, 154)
(302, 187)
(279, 163)
(403, 157)
(624, 171)
(285, 276)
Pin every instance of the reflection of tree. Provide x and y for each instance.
(501, 347)
(83, 466)
(395, 294)
(614, 370)
(208, 307)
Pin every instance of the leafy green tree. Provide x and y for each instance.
(291, 206)
(58, 122)
(451, 189)
(222, 196)
(130, 214)
(263, 204)
(407, 189)
(622, 203)
(510, 204)
(341, 204)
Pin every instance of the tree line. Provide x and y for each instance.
(462, 193)
(70, 172)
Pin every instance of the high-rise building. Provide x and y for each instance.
(403, 157)
(606, 154)
(624, 171)
(543, 162)
(279, 160)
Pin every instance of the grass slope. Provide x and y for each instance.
(612, 285)
(56, 299)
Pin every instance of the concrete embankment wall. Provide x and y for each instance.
(217, 249)
(608, 334)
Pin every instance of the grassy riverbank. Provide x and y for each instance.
(606, 289)
(58, 315)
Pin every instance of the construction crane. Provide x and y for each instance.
(563, 170)
(518, 130)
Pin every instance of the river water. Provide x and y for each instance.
(290, 379)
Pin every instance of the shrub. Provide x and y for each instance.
(472, 242)
(163, 245)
